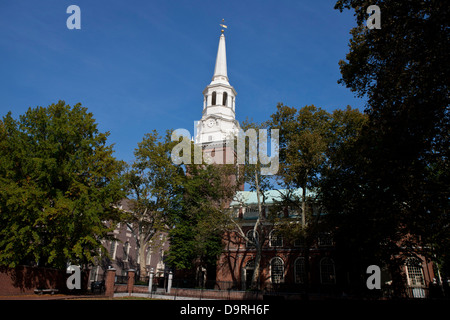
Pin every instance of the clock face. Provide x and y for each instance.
(210, 123)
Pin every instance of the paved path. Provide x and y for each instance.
(49, 297)
(88, 297)
(156, 296)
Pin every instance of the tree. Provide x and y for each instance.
(310, 138)
(153, 183)
(397, 186)
(59, 183)
(251, 173)
(303, 144)
(198, 220)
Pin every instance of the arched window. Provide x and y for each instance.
(213, 102)
(327, 272)
(275, 239)
(299, 270)
(251, 242)
(277, 270)
(224, 99)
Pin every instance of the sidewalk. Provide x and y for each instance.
(50, 297)
(156, 296)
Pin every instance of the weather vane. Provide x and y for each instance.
(223, 25)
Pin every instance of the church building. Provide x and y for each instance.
(284, 265)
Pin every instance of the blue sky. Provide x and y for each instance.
(142, 65)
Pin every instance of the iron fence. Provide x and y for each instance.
(141, 281)
(121, 280)
(224, 288)
(295, 289)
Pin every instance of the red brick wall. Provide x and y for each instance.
(109, 282)
(23, 280)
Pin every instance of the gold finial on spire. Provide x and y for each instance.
(223, 25)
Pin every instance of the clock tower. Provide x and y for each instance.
(218, 123)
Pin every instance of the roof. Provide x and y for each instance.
(247, 198)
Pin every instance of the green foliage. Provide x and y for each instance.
(303, 142)
(153, 185)
(394, 181)
(199, 220)
(311, 141)
(58, 182)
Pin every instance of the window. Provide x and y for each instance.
(126, 250)
(325, 239)
(94, 273)
(300, 242)
(327, 273)
(294, 212)
(275, 239)
(251, 212)
(248, 273)
(149, 256)
(277, 270)
(213, 98)
(251, 242)
(414, 272)
(299, 270)
(224, 99)
(129, 227)
(112, 249)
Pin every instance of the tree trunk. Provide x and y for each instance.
(304, 200)
(259, 241)
(255, 277)
(141, 260)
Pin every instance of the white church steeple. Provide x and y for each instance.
(220, 71)
(218, 118)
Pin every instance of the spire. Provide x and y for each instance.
(221, 59)
(220, 70)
